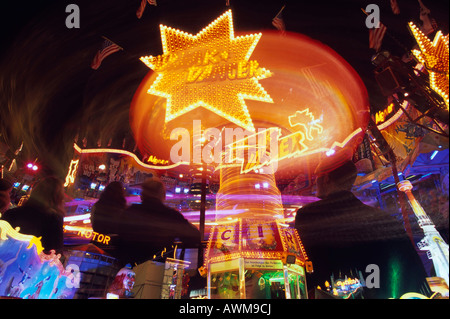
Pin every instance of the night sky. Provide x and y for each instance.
(49, 95)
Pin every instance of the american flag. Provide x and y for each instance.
(429, 25)
(278, 22)
(108, 47)
(140, 10)
(376, 36)
(395, 7)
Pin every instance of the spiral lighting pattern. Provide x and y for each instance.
(255, 192)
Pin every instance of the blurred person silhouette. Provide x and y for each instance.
(42, 215)
(5, 197)
(149, 227)
(106, 214)
(343, 236)
(107, 210)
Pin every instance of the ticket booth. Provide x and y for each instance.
(255, 259)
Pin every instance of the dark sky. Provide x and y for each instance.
(49, 93)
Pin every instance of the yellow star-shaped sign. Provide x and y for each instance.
(211, 69)
(435, 56)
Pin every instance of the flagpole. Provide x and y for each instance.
(281, 10)
(105, 38)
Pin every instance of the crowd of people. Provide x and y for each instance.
(140, 231)
(137, 232)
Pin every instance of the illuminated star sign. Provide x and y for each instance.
(435, 56)
(211, 69)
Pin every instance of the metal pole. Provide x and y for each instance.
(401, 196)
(202, 215)
(386, 149)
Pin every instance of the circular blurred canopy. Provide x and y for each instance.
(313, 89)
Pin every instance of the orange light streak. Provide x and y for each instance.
(132, 155)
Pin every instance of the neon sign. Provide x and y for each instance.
(380, 116)
(254, 238)
(289, 146)
(126, 153)
(6, 231)
(154, 160)
(89, 234)
(70, 178)
(213, 56)
(305, 119)
(104, 239)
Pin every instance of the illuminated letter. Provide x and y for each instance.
(285, 146)
(184, 145)
(206, 72)
(289, 237)
(225, 238)
(224, 55)
(194, 73)
(260, 231)
(373, 279)
(232, 72)
(390, 108)
(379, 117)
(242, 70)
(253, 69)
(73, 19)
(373, 19)
(210, 57)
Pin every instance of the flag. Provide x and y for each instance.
(376, 36)
(434, 24)
(227, 3)
(278, 21)
(395, 7)
(13, 164)
(108, 47)
(429, 24)
(140, 10)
